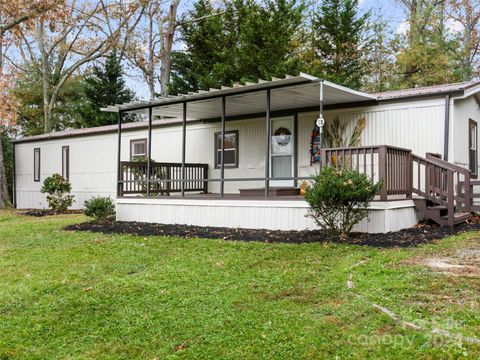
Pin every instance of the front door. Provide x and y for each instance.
(282, 150)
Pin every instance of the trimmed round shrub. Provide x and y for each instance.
(99, 208)
(58, 189)
(339, 199)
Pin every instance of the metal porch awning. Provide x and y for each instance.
(291, 92)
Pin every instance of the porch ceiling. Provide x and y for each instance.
(301, 91)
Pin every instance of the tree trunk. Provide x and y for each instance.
(45, 79)
(413, 35)
(166, 50)
(4, 196)
(467, 49)
(1, 51)
(151, 58)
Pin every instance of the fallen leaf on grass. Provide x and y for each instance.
(180, 347)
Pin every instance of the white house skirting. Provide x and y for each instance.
(256, 214)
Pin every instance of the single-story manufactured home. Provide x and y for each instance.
(173, 166)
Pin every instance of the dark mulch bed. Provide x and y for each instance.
(47, 212)
(421, 234)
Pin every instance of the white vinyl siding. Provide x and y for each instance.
(417, 125)
(463, 111)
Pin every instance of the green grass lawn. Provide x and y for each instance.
(93, 296)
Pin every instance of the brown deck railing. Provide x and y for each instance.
(392, 164)
(165, 178)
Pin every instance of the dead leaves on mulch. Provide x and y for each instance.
(47, 212)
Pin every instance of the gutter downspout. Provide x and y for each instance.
(447, 127)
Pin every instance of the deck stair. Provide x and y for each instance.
(441, 190)
(444, 190)
(474, 194)
(439, 213)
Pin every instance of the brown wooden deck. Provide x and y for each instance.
(446, 189)
(226, 196)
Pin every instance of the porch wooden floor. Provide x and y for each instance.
(216, 196)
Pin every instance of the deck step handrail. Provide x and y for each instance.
(474, 205)
(445, 163)
(403, 173)
(442, 183)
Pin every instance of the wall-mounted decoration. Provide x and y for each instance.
(315, 146)
(335, 135)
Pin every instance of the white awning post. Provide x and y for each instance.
(321, 121)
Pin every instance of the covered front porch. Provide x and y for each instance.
(257, 140)
(236, 157)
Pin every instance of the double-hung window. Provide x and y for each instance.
(138, 149)
(230, 149)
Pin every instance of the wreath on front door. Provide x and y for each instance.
(282, 136)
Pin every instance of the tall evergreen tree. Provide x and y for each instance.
(338, 44)
(105, 86)
(250, 40)
(203, 64)
(269, 37)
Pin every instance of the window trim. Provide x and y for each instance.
(35, 177)
(229, 166)
(132, 142)
(66, 172)
(474, 123)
